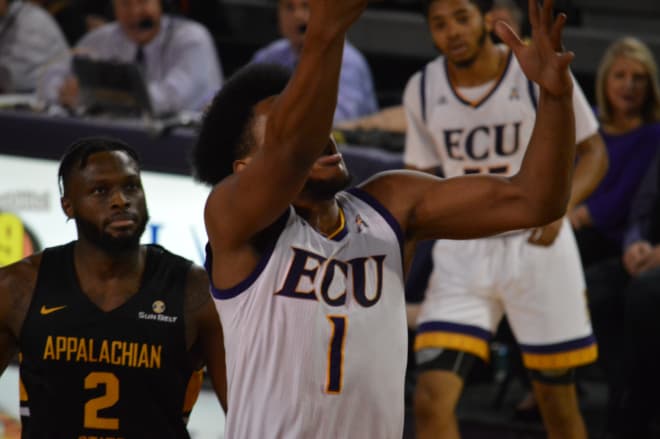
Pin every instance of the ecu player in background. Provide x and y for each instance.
(472, 111)
(112, 334)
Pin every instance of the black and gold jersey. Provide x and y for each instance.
(87, 373)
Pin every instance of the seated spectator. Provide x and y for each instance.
(356, 89)
(77, 17)
(624, 300)
(177, 55)
(628, 100)
(29, 39)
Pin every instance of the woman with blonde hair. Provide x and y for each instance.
(628, 99)
(628, 107)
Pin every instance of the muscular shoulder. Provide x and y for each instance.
(17, 283)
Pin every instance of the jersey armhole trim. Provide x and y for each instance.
(230, 293)
(382, 210)
(532, 94)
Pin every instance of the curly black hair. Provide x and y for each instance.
(483, 5)
(225, 134)
(78, 152)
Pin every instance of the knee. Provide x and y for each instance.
(555, 391)
(432, 403)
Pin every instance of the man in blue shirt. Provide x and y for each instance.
(178, 57)
(356, 89)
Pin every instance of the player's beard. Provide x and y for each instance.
(109, 243)
(326, 189)
(480, 45)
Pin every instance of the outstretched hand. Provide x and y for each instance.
(543, 60)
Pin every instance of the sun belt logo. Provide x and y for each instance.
(158, 308)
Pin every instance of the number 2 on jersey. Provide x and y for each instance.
(94, 405)
(335, 373)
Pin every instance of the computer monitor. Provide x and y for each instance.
(112, 87)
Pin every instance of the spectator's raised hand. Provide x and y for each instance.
(651, 261)
(543, 59)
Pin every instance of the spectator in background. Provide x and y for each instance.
(356, 90)
(77, 17)
(628, 100)
(178, 57)
(393, 119)
(29, 40)
(509, 12)
(624, 300)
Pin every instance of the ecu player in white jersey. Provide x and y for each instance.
(307, 277)
(472, 111)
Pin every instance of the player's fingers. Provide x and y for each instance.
(555, 33)
(533, 13)
(508, 36)
(546, 15)
(565, 59)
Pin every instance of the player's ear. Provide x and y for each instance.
(240, 164)
(66, 207)
(489, 22)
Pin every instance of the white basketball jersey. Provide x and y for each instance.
(485, 135)
(315, 338)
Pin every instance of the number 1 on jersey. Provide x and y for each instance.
(335, 373)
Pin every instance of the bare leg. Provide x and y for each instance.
(560, 411)
(436, 396)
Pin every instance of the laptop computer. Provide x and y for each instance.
(111, 87)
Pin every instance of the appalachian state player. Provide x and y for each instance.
(110, 332)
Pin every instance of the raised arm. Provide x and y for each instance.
(474, 206)
(290, 132)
